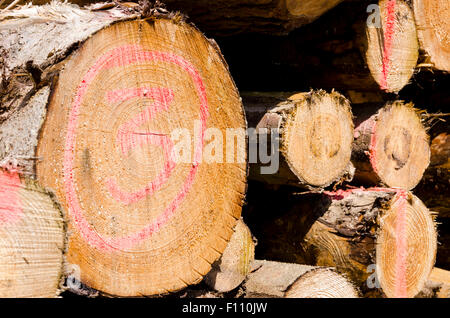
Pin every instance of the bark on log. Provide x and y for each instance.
(391, 146)
(32, 239)
(232, 268)
(435, 184)
(140, 223)
(433, 28)
(227, 17)
(315, 134)
(269, 279)
(356, 231)
(392, 48)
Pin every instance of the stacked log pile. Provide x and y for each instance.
(116, 123)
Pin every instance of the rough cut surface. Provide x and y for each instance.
(32, 239)
(433, 27)
(99, 93)
(392, 49)
(391, 147)
(233, 267)
(315, 131)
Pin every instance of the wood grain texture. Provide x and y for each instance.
(392, 48)
(391, 146)
(32, 239)
(315, 132)
(433, 27)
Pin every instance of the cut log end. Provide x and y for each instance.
(32, 239)
(433, 27)
(392, 47)
(317, 137)
(143, 223)
(234, 265)
(321, 283)
(397, 147)
(406, 246)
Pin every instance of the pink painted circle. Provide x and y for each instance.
(120, 57)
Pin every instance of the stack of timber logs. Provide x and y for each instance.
(88, 100)
(365, 52)
(356, 231)
(391, 145)
(95, 200)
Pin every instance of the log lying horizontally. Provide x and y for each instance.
(226, 17)
(140, 223)
(315, 135)
(32, 239)
(441, 278)
(395, 232)
(355, 231)
(391, 146)
(270, 279)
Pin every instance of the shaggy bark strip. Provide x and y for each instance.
(392, 47)
(391, 146)
(315, 135)
(236, 261)
(117, 87)
(32, 239)
(433, 28)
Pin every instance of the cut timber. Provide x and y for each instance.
(227, 17)
(32, 239)
(442, 279)
(355, 231)
(361, 228)
(434, 188)
(142, 222)
(271, 279)
(433, 28)
(321, 283)
(234, 265)
(268, 279)
(391, 147)
(315, 135)
(392, 47)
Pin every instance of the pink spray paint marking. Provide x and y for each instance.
(401, 246)
(369, 126)
(10, 205)
(120, 57)
(129, 137)
(388, 37)
(401, 243)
